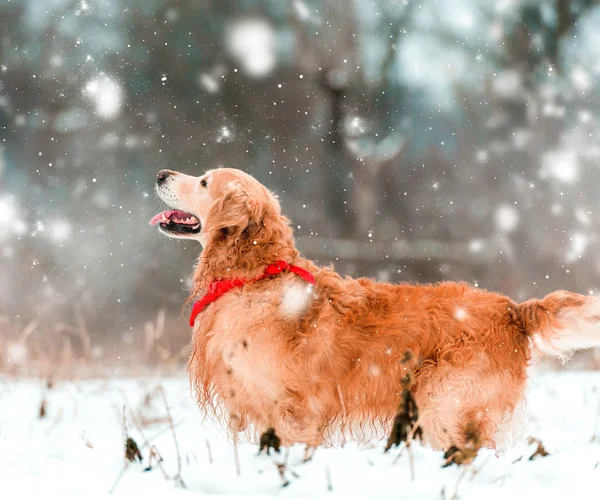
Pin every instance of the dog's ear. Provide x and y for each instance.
(235, 210)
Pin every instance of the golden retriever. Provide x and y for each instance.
(318, 361)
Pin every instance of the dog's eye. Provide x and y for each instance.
(203, 183)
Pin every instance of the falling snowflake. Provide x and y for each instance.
(59, 230)
(107, 94)
(252, 43)
(225, 135)
(83, 8)
(507, 218)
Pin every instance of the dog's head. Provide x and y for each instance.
(224, 201)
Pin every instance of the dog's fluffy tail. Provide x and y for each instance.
(562, 322)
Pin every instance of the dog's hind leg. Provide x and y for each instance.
(462, 406)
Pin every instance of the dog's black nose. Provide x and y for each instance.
(162, 176)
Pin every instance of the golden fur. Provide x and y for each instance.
(313, 361)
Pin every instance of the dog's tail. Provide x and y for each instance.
(562, 322)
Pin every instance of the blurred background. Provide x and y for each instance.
(407, 140)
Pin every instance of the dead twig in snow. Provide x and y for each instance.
(461, 476)
(177, 477)
(328, 478)
(112, 488)
(124, 433)
(282, 467)
(540, 451)
(236, 459)
(140, 431)
(596, 422)
(210, 458)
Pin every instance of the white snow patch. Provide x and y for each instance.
(8, 211)
(507, 218)
(59, 230)
(209, 82)
(17, 353)
(107, 94)
(581, 79)
(475, 245)
(252, 43)
(561, 165)
(460, 314)
(583, 216)
(77, 449)
(225, 135)
(10, 222)
(296, 299)
(302, 11)
(579, 243)
(508, 83)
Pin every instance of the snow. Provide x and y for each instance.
(507, 218)
(561, 165)
(17, 353)
(578, 244)
(10, 221)
(302, 11)
(76, 450)
(296, 299)
(107, 95)
(581, 79)
(209, 82)
(60, 230)
(8, 211)
(252, 43)
(460, 314)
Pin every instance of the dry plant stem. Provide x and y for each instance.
(178, 475)
(282, 467)
(84, 336)
(476, 470)
(141, 432)
(461, 476)
(411, 462)
(159, 459)
(112, 488)
(161, 432)
(124, 429)
(27, 331)
(596, 421)
(55, 423)
(236, 459)
(398, 457)
(410, 453)
(328, 477)
(309, 453)
(210, 458)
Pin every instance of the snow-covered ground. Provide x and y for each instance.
(76, 450)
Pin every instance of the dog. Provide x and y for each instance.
(282, 345)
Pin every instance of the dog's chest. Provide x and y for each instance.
(248, 333)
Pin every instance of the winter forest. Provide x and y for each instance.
(407, 141)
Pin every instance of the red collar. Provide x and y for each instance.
(220, 287)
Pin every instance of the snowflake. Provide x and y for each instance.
(225, 135)
(84, 8)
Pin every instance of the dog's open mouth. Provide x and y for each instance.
(176, 221)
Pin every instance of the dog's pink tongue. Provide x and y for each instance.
(159, 217)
